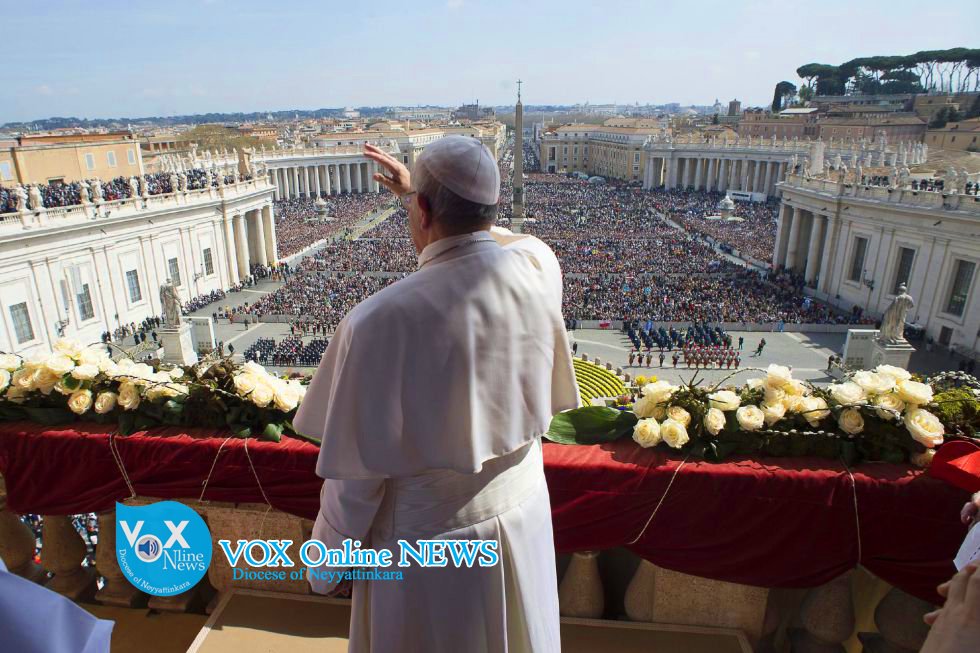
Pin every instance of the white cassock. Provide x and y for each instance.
(431, 400)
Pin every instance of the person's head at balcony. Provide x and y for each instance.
(454, 189)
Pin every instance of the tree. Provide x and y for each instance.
(783, 89)
(714, 119)
(806, 94)
(939, 119)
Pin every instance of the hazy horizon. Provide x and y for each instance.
(118, 59)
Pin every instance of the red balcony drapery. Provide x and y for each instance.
(787, 522)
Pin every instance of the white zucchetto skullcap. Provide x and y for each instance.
(465, 166)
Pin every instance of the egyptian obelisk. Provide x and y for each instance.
(517, 206)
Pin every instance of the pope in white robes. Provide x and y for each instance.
(431, 401)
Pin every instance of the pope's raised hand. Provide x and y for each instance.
(396, 177)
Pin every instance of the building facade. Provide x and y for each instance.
(962, 135)
(52, 158)
(604, 150)
(855, 245)
(83, 270)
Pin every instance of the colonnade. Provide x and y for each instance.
(805, 243)
(720, 174)
(323, 179)
(250, 237)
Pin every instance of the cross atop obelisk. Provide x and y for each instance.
(517, 203)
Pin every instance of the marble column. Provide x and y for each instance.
(231, 252)
(307, 186)
(783, 223)
(295, 176)
(337, 190)
(767, 189)
(356, 177)
(756, 177)
(792, 249)
(347, 186)
(699, 163)
(733, 177)
(326, 180)
(722, 171)
(241, 244)
(261, 238)
(817, 233)
(744, 175)
(271, 243)
(316, 180)
(829, 248)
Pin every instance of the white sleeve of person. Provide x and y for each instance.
(347, 510)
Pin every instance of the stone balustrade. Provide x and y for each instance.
(950, 201)
(58, 217)
(852, 608)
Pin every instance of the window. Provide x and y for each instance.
(131, 154)
(133, 283)
(21, 318)
(208, 262)
(636, 157)
(962, 278)
(90, 161)
(904, 268)
(110, 158)
(174, 269)
(857, 260)
(5, 173)
(85, 308)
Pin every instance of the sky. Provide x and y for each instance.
(114, 58)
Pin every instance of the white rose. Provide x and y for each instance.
(254, 368)
(773, 412)
(62, 389)
(714, 421)
(913, 392)
(724, 400)
(874, 383)
(924, 427)
(68, 347)
(262, 395)
(794, 403)
(889, 406)
(774, 395)
(60, 364)
(896, 373)
(45, 380)
(80, 402)
(85, 372)
(848, 394)
(129, 396)
(9, 362)
(93, 355)
(752, 384)
(287, 397)
(176, 373)
(778, 375)
(679, 414)
(4, 379)
(300, 389)
(851, 421)
(660, 391)
(795, 388)
(245, 382)
(923, 459)
(646, 433)
(105, 402)
(750, 418)
(23, 379)
(108, 367)
(674, 433)
(814, 410)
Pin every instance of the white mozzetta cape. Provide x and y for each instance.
(462, 361)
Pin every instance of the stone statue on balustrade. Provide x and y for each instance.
(134, 187)
(893, 321)
(838, 162)
(174, 182)
(842, 174)
(83, 189)
(37, 201)
(144, 187)
(903, 177)
(170, 301)
(97, 195)
(962, 179)
(20, 198)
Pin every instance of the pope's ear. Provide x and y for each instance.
(425, 209)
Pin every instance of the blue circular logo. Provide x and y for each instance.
(164, 548)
